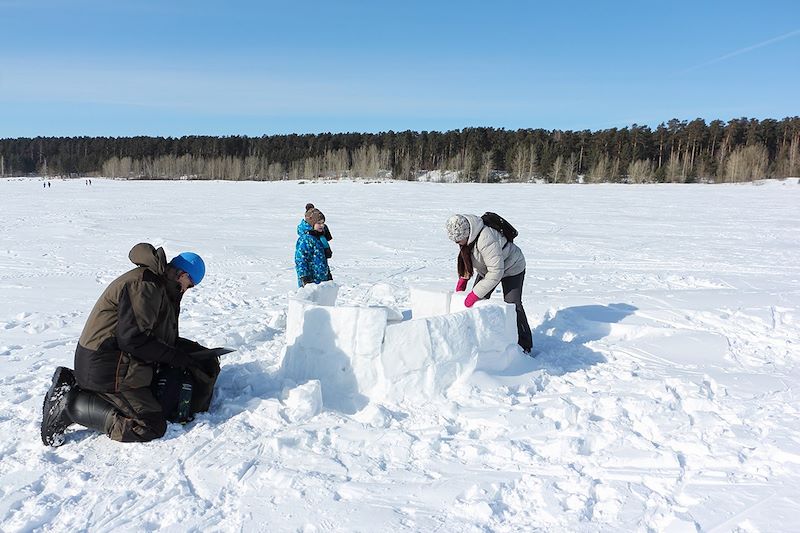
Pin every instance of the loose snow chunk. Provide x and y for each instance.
(304, 402)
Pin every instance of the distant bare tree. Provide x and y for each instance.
(369, 160)
(486, 167)
(524, 162)
(571, 168)
(600, 171)
(674, 168)
(640, 171)
(788, 161)
(747, 163)
(557, 170)
(275, 171)
(614, 168)
(794, 158)
(467, 162)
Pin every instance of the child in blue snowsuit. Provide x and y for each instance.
(312, 250)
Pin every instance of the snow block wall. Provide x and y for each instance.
(362, 354)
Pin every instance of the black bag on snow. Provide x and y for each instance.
(495, 221)
(172, 387)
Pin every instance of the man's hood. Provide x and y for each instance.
(145, 255)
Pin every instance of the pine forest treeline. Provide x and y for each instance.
(678, 151)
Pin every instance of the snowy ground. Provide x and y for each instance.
(664, 397)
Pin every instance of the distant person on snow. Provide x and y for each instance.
(312, 250)
(132, 370)
(497, 261)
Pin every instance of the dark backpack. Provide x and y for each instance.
(172, 387)
(495, 221)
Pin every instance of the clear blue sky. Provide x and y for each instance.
(136, 67)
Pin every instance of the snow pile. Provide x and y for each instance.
(358, 355)
(439, 176)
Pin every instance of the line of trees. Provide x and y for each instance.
(677, 151)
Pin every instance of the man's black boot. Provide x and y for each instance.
(90, 410)
(55, 419)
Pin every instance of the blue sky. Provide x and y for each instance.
(121, 68)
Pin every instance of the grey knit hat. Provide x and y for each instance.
(457, 228)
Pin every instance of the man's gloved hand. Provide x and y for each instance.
(306, 280)
(471, 298)
(461, 285)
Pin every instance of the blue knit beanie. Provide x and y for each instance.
(192, 264)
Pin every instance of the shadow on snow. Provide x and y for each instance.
(560, 340)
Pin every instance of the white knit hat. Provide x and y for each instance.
(457, 228)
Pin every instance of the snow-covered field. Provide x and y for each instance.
(665, 396)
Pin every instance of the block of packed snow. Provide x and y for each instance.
(332, 368)
(338, 346)
(423, 358)
(428, 301)
(393, 314)
(323, 294)
(294, 319)
(368, 343)
(495, 325)
(319, 293)
(457, 301)
(357, 353)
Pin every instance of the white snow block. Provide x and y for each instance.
(418, 365)
(495, 325)
(497, 320)
(324, 293)
(426, 301)
(338, 346)
(294, 319)
(457, 302)
(423, 358)
(358, 354)
(393, 314)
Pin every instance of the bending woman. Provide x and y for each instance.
(486, 254)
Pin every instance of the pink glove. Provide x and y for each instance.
(471, 298)
(461, 285)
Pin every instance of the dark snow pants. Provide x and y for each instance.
(138, 417)
(512, 294)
